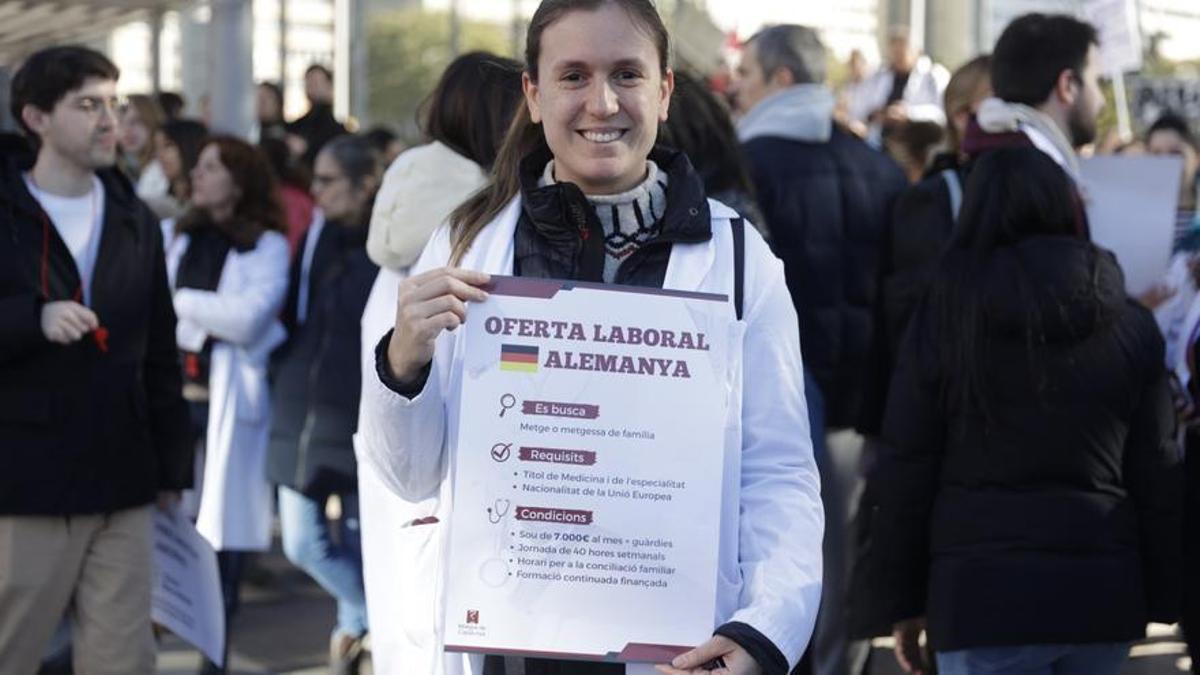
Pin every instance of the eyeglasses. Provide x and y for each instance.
(93, 105)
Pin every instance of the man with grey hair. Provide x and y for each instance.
(826, 197)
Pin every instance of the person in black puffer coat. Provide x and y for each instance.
(308, 134)
(316, 387)
(1027, 497)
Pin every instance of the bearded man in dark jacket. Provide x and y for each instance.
(1047, 96)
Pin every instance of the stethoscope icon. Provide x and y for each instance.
(507, 401)
(495, 515)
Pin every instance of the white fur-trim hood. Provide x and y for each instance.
(420, 189)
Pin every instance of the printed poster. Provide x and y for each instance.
(587, 472)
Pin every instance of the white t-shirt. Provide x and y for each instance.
(78, 221)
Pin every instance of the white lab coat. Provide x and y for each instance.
(400, 560)
(242, 315)
(922, 93)
(859, 99)
(419, 191)
(1179, 320)
(769, 573)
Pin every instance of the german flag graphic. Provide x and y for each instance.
(519, 358)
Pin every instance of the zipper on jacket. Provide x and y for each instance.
(310, 420)
(580, 219)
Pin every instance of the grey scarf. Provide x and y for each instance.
(997, 116)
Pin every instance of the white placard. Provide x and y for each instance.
(1131, 203)
(587, 472)
(187, 587)
(1120, 36)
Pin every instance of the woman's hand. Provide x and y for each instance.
(700, 660)
(1153, 298)
(909, 652)
(426, 305)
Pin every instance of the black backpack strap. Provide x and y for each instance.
(739, 264)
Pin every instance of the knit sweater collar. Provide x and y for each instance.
(636, 193)
(566, 224)
(629, 219)
(648, 198)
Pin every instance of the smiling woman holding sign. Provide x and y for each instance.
(580, 192)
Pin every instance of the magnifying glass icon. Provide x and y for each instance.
(507, 401)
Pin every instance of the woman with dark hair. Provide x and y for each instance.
(579, 192)
(268, 111)
(177, 149)
(140, 118)
(1171, 136)
(705, 134)
(463, 119)
(315, 388)
(913, 146)
(1026, 500)
(172, 105)
(227, 261)
(294, 181)
(475, 99)
(386, 143)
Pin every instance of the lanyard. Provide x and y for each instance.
(100, 335)
(91, 243)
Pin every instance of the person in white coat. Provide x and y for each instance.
(578, 163)
(466, 118)
(227, 262)
(909, 88)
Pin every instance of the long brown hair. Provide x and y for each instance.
(967, 84)
(257, 209)
(524, 137)
(152, 116)
(473, 104)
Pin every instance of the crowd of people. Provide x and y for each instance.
(957, 427)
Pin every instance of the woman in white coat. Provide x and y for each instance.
(228, 262)
(465, 119)
(577, 163)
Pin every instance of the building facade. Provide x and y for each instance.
(957, 29)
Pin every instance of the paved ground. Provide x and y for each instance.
(283, 626)
(1162, 654)
(285, 623)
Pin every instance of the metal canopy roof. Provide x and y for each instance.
(26, 25)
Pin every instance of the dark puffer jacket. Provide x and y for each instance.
(316, 372)
(1056, 517)
(826, 205)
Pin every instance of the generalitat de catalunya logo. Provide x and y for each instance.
(519, 358)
